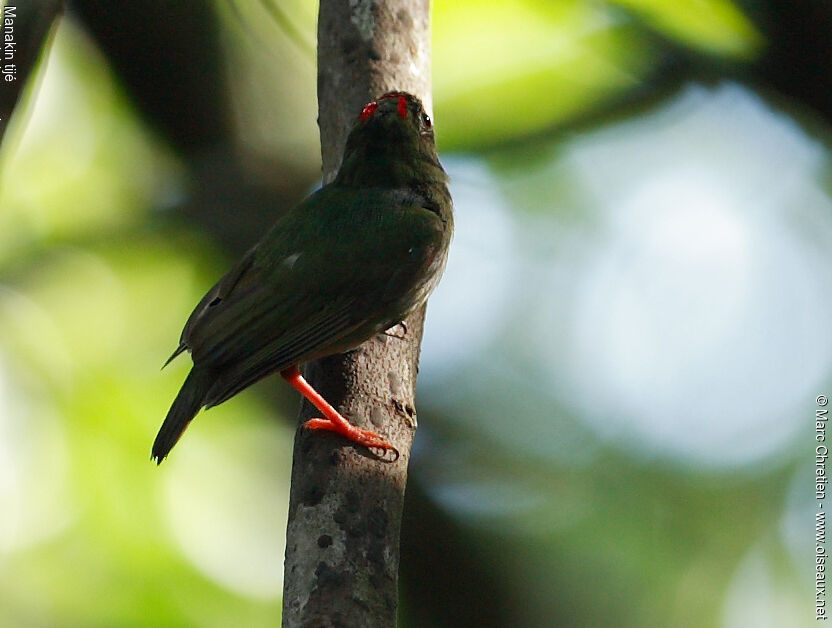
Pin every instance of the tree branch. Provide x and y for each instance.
(345, 507)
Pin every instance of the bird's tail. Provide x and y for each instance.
(187, 403)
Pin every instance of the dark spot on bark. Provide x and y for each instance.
(373, 54)
(409, 410)
(353, 502)
(379, 579)
(324, 540)
(375, 554)
(361, 603)
(313, 496)
(348, 516)
(404, 17)
(377, 522)
(327, 576)
(350, 44)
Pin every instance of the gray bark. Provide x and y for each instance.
(345, 507)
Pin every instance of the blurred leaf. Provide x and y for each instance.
(512, 68)
(82, 178)
(713, 26)
(29, 24)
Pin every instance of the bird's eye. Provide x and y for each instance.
(426, 121)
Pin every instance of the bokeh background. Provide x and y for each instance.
(619, 370)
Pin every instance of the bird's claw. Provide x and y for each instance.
(381, 453)
(372, 441)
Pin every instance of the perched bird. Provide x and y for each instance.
(352, 260)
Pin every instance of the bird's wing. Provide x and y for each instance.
(300, 295)
(263, 326)
(212, 298)
(315, 337)
(253, 306)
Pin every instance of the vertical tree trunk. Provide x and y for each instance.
(342, 539)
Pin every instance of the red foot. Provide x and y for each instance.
(333, 421)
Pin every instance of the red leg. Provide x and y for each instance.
(333, 421)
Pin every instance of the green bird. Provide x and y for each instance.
(352, 260)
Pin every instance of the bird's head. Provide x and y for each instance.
(392, 133)
(394, 115)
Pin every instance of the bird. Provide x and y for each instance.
(350, 261)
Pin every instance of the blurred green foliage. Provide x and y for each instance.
(509, 69)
